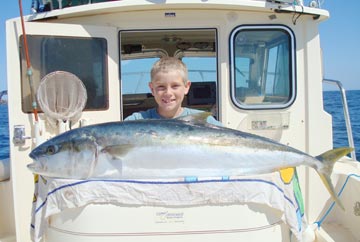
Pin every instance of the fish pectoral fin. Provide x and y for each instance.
(118, 151)
(200, 117)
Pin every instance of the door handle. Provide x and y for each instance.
(19, 135)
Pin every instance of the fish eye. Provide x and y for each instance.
(51, 149)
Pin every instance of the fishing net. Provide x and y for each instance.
(61, 95)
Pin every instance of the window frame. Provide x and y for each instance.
(176, 54)
(292, 65)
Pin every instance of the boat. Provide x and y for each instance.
(2, 94)
(255, 64)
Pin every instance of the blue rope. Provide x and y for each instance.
(333, 203)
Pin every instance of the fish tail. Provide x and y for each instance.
(328, 160)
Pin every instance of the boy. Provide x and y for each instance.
(169, 85)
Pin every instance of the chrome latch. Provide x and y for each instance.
(19, 135)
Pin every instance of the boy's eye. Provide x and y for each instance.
(160, 87)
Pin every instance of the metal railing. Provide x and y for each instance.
(346, 113)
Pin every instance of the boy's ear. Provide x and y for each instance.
(151, 88)
(187, 86)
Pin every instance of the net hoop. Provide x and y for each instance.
(61, 96)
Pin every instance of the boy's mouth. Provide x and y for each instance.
(166, 101)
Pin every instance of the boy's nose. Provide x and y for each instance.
(167, 91)
(167, 94)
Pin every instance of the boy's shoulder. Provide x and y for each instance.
(147, 114)
(189, 111)
(152, 114)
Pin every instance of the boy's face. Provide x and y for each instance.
(169, 90)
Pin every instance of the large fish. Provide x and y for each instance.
(170, 149)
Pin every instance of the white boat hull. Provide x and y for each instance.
(198, 223)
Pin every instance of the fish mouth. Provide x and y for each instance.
(32, 155)
(35, 154)
(34, 167)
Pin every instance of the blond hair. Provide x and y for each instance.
(167, 64)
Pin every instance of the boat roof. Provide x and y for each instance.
(109, 7)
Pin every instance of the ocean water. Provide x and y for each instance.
(4, 132)
(332, 103)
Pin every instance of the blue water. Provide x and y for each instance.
(332, 103)
(4, 132)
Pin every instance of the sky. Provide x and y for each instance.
(339, 37)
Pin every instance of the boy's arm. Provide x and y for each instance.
(148, 114)
(134, 116)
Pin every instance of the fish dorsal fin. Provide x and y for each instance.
(118, 151)
(200, 117)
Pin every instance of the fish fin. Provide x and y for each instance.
(335, 154)
(93, 164)
(328, 159)
(200, 117)
(118, 151)
(330, 187)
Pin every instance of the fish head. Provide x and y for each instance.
(69, 155)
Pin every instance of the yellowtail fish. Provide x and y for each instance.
(171, 148)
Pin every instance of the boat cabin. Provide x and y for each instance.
(256, 65)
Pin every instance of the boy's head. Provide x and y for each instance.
(169, 85)
(168, 64)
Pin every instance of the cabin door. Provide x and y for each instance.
(88, 52)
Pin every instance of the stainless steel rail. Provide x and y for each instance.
(346, 113)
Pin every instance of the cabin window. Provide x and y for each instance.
(84, 57)
(262, 67)
(203, 77)
(141, 49)
(135, 78)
